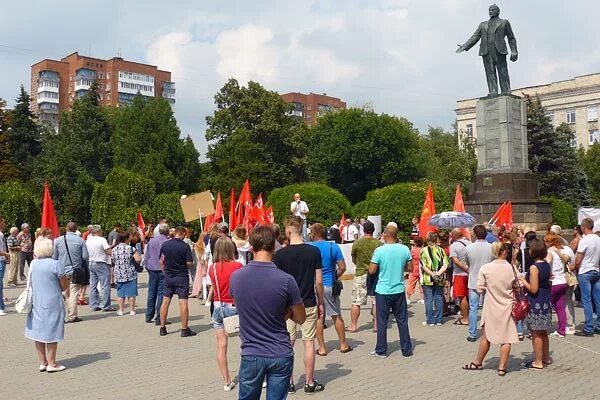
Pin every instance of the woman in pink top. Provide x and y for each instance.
(220, 272)
(413, 277)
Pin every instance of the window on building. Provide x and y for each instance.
(570, 116)
(573, 143)
(550, 116)
(308, 107)
(592, 113)
(469, 130)
(594, 136)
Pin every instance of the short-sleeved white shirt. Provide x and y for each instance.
(589, 245)
(300, 210)
(96, 246)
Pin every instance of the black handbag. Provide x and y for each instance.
(337, 287)
(138, 267)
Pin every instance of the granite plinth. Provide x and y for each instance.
(532, 214)
(504, 186)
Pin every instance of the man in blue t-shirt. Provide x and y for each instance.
(175, 260)
(391, 260)
(334, 267)
(265, 298)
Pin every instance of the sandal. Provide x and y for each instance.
(473, 367)
(346, 350)
(547, 363)
(502, 372)
(320, 354)
(529, 365)
(459, 322)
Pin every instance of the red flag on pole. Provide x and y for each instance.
(141, 226)
(269, 216)
(459, 206)
(49, 219)
(259, 201)
(232, 221)
(257, 215)
(219, 208)
(426, 213)
(505, 217)
(239, 217)
(342, 225)
(498, 212)
(208, 222)
(245, 195)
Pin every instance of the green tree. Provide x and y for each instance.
(146, 140)
(252, 137)
(356, 150)
(590, 160)
(552, 159)
(24, 137)
(8, 171)
(18, 204)
(73, 160)
(447, 161)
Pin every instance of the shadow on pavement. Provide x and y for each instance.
(85, 359)
(331, 372)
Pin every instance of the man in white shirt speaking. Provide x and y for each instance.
(300, 209)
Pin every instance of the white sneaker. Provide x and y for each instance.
(132, 312)
(421, 301)
(58, 368)
(119, 312)
(555, 333)
(229, 387)
(570, 330)
(43, 368)
(2, 313)
(425, 323)
(439, 324)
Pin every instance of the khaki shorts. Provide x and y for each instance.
(359, 290)
(309, 327)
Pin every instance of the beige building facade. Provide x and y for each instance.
(575, 102)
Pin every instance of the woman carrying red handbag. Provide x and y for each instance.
(538, 284)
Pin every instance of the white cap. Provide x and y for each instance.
(556, 229)
(392, 223)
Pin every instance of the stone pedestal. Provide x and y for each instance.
(502, 164)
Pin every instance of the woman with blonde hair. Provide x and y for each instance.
(220, 272)
(46, 320)
(558, 257)
(240, 239)
(497, 324)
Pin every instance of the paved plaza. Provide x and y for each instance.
(112, 357)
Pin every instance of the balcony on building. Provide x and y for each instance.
(84, 78)
(168, 92)
(297, 110)
(48, 81)
(47, 97)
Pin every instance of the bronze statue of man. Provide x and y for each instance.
(493, 49)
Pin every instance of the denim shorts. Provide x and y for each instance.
(222, 309)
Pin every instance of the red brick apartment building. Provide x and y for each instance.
(310, 106)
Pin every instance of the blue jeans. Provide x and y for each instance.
(254, 369)
(396, 302)
(589, 286)
(99, 273)
(155, 294)
(2, 270)
(433, 297)
(473, 311)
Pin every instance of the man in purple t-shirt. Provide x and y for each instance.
(266, 348)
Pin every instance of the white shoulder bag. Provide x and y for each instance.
(24, 302)
(230, 324)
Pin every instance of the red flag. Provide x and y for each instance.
(208, 222)
(141, 226)
(257, 215)
(342, 225)
(259, 201)
(269, 216)
(459, 206)
(247, 222)
(505, 217)
(232, 222)
(219, 208)
(498, 212)
(245, 195)
(48, 214)
(458, 201)
(239, 217)
(426, 213)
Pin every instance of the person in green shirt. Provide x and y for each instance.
(434, 263)
(362, 251)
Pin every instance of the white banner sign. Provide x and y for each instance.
(589, 212)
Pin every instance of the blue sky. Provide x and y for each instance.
(394, 55)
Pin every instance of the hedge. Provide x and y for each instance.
(326, 204)
(563, 213)
(401, 202)
(19, 205)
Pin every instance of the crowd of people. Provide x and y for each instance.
(298, 272)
